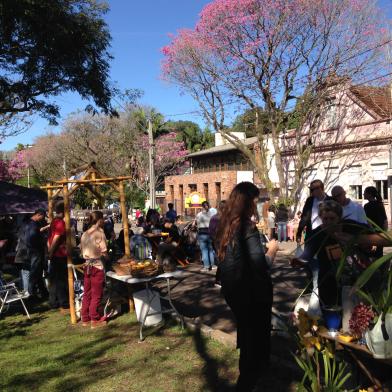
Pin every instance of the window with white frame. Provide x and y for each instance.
(331, 114)
(382, 187)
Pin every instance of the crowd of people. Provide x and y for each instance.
(230, 244)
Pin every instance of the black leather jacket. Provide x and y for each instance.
(306, 217)
(244, 272)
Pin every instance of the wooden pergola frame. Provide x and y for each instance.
(90, 178)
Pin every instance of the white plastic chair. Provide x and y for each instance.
(9, 293)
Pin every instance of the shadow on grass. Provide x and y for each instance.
(91, 359)
(213, 381)
(74, 369)
(18, 328)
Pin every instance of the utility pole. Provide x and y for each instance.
(151, 160)
(65, 168)
(28, 176)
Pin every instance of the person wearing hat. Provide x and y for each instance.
(30, 253)
(57, 260)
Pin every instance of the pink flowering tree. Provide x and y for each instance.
(169, 160)
(14, 168)
(283, 57)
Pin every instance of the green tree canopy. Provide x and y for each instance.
(246, 122)
(191, 135)
(48, 47)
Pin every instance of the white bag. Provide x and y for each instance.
(349, 301)
(314, 304)
(142, 298)
(375, 339)
(309, 303)
(302, 303)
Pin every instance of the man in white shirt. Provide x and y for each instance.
(310, 218)
(205, 241)
(351, 210)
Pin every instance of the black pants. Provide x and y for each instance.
(36, 270)
(253, 340)
(58, 283)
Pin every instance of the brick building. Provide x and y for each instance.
(213, 173)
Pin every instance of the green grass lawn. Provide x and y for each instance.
(46, 353)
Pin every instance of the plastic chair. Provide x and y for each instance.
(9, 293)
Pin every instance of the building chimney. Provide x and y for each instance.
(220, 140)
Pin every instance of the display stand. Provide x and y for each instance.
(89, 177)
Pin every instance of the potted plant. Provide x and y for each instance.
(323, 371)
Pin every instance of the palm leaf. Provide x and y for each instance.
(369, 271)
(342, 261)
(368, 298)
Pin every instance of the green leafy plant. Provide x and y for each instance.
(323, 371)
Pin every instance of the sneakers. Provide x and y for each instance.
(86, 324)
(204, 269)
(214, 268)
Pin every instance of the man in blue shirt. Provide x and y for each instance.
(172, 213)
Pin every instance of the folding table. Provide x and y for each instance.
(167, 276)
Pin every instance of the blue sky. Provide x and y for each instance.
(139, 30)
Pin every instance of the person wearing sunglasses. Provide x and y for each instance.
(310, 218)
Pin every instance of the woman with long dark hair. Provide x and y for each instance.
(375, 211)
(94, 249)
(246, 282)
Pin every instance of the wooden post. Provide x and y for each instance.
(50, 204)
(126, 236)
(124, 218)
(67, 219)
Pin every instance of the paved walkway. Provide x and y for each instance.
(198, 298)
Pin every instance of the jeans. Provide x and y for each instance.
(94, 279)
(207, 251)
(282, 231)
(58, 283)
(25, 277)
